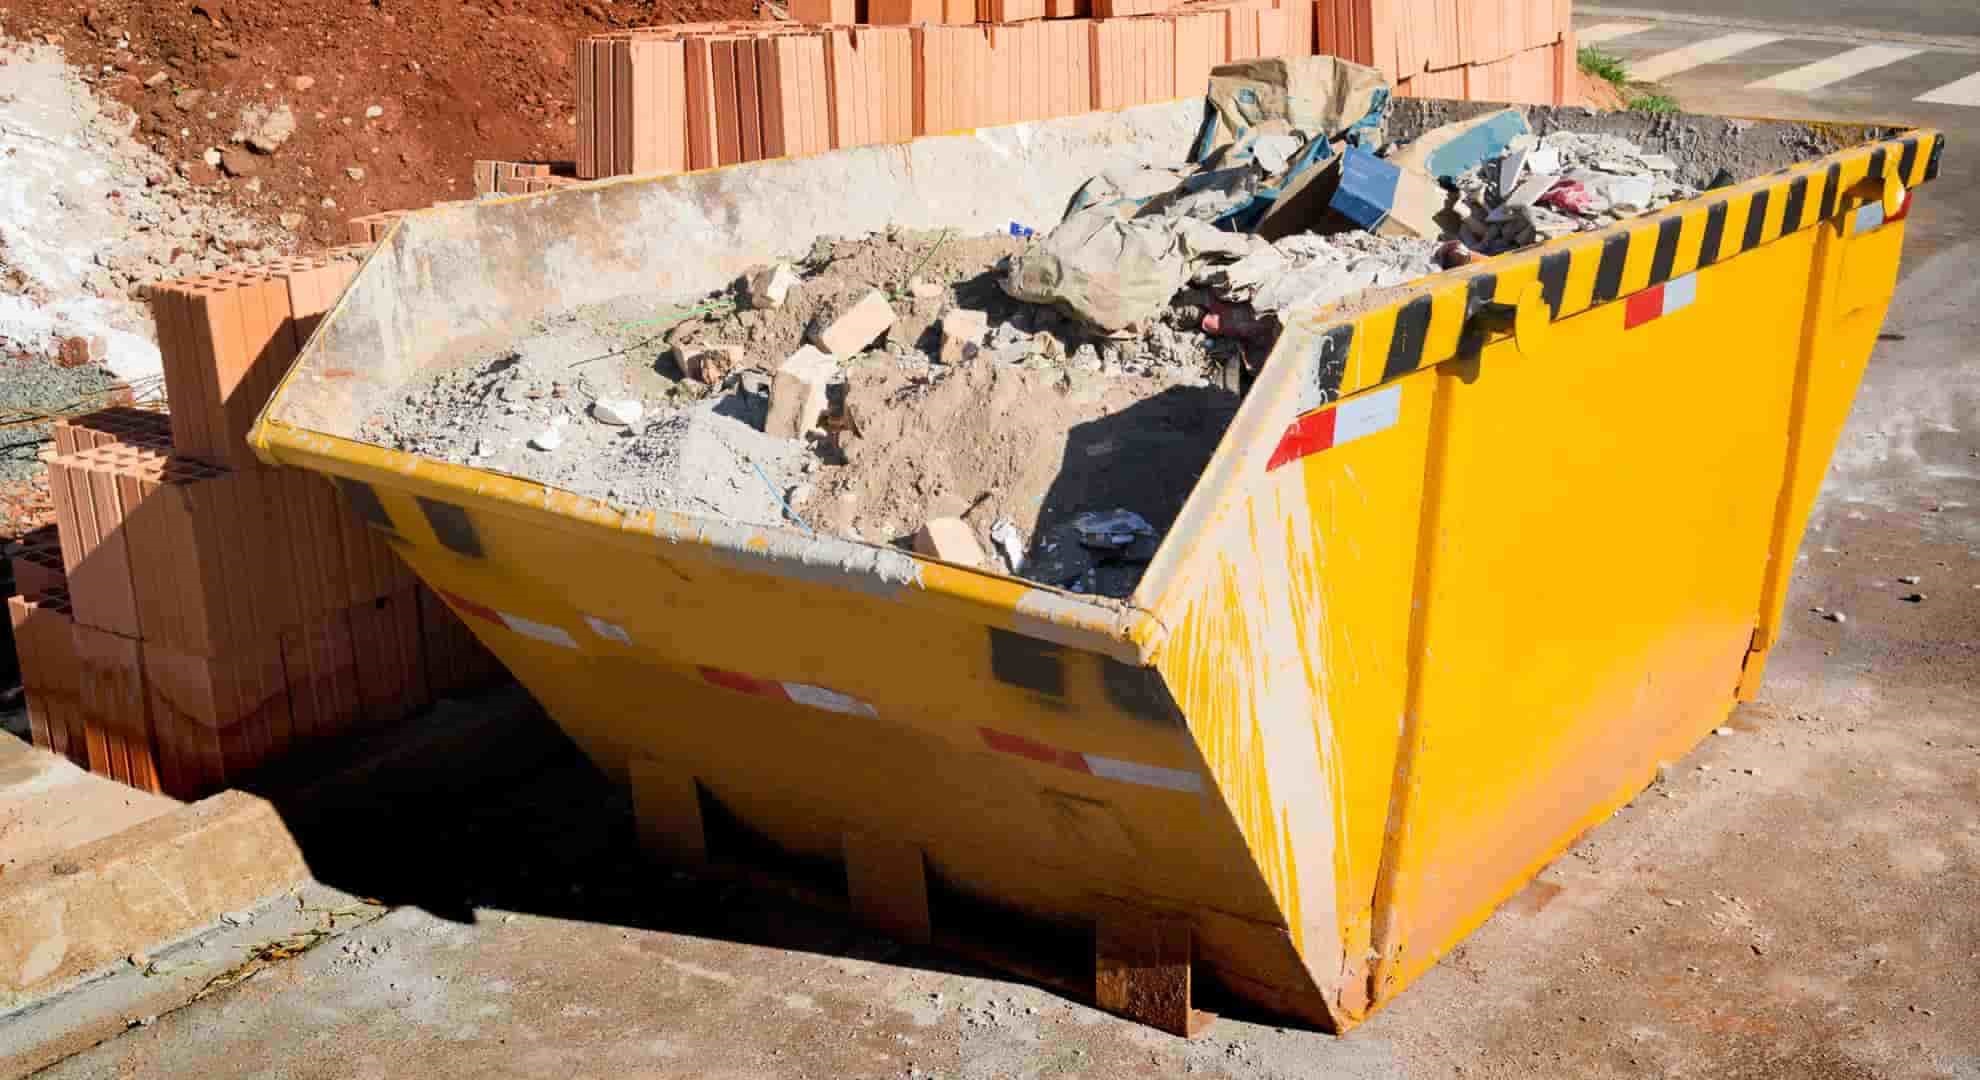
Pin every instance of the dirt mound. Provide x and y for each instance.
(995, 441)
(838, 271)
(450, 81)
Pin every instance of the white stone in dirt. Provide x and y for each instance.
(549, 438)
(211, 157)
(769, 287)
(622, 412)
(268, 129)
(1010, 542)
(857, 326)
(963, 330)
(950, 540)
(798, 396)
(373, 112)
(355, 172)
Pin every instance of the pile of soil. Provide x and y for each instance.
(451, 81)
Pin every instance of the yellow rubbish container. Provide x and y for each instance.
(1476, 555)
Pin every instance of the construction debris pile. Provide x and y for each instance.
(1558, 185)
(1039, 405)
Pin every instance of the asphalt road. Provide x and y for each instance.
(1942, 18)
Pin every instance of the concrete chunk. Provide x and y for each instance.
(620, 412)
(963, 331)
(768, 287)
(857, 326)
(798, 393)
(950, 540)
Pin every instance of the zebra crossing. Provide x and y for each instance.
(1656, 51)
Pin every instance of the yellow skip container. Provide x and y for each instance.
(1469, 563)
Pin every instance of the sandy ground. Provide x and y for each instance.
(48, 805)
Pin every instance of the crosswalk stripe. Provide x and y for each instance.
(1608, 31)
(1964, 92)
(1835, 69)
(1710, 51)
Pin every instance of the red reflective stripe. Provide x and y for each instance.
(1309, 434)
(1006, 743)
(1643, 307)
(470, 607)
(747, 684)
(1904, 208)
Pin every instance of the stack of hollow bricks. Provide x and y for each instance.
(194, 614)
(518, 177)
(853, 72)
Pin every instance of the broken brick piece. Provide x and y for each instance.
(950, 540)
(856, 327)
(798, 398)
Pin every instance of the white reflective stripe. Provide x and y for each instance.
(1311, 394)
(1836, 68)
(1710, 51)
(1608, 31)
(1680, 292)
(1869, 216)
(830, 700)
(1367, 414)
(608, 631)
(1964, 92)
(555, 635)
(1134, 772)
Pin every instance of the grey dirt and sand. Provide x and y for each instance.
(1024, 423)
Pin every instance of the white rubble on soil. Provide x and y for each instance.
(518, 413)
(87, 215)
(622, 412)
(1560, 184)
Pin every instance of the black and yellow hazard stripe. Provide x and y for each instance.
(364, 501)
(451, 526)
(1586, 272)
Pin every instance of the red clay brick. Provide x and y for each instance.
(43, 628)
(834, 12)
